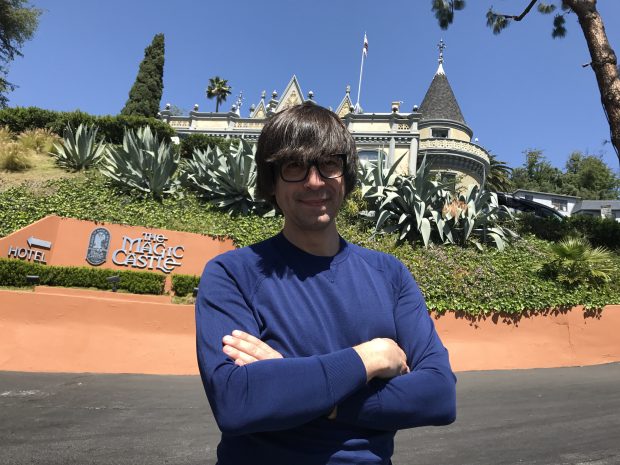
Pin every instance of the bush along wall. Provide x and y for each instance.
(184, 284)
(598, 231)
(111, 128)
(201, 142)
(452, 279)
(13, 273)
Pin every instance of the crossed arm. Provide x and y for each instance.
(381, 357)
(362, 381)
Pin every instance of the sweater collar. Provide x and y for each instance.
(293, 254)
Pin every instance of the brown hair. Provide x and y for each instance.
(305, 132)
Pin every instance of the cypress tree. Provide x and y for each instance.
(145, 94)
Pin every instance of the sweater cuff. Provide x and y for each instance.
(345, 373)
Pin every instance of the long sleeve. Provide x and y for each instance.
(266, 395)
(425, 396)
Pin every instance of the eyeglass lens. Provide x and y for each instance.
(297, 170)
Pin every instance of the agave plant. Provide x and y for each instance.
(416, 206)
(475, 217)
(576, 262)
(374, 178)
(79, 150)
(406, 205)
(144, 164)
(227, 179)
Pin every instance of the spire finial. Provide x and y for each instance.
(441, 46)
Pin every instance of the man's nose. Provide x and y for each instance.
(314, 179)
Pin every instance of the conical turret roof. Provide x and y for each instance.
(439, 102)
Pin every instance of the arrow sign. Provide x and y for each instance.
(34, 242)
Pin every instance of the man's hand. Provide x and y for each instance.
(382, 358)
(244, 348)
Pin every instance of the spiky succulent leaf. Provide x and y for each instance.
(79, 149)
(227, 179)
(142, 164)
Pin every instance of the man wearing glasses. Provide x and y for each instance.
(313, 350)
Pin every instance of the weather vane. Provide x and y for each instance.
(441, 45)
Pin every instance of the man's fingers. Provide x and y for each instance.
(254, 346)
(240, 358)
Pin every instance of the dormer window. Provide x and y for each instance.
(440, 133)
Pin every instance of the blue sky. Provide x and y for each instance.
(518, 90)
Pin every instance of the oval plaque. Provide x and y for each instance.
(98, 246)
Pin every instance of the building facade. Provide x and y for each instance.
(436, 129)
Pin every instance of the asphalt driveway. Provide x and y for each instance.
(553, 417)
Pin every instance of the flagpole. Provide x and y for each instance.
(359, 86)
(357, 107)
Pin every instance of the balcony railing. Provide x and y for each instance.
(454, 145)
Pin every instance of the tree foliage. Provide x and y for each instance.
(585, 176)
(218, 89)
(18, 21)
(145, 94)
(498, 177)
(604, 62)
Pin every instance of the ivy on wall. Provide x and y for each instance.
(452, 278)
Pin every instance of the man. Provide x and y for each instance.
(313, 350)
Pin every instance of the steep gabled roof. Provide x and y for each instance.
(345, 105)
(291, 96)
(439, 102)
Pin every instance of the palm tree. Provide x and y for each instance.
(498, 177)
(219, 89)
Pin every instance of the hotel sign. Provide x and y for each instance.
(33, 252)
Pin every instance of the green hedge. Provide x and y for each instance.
(13, 272)
(201, 142)
(451, 278)
(184, 284)
(111, 128)
(603, 232)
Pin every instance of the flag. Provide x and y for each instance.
(365, 49)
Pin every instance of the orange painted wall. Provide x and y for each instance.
(68, 330)
(70, 240)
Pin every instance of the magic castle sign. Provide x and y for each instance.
(149, 251)
(69, 242)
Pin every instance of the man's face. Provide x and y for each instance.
(311, 204)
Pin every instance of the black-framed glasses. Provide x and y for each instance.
(330, 167)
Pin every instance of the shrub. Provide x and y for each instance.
(14, 157)
(20, 119)
(79, 149)
(111, 128)
(142, 164)
(38, 140)
(600, 232)
(452, 279)
(13, 273)
(6, 135)
(202, 142)
(227, 179)
(576, 262)
(184, 284)
(418, 207)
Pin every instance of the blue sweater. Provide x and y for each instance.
(313, 310)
